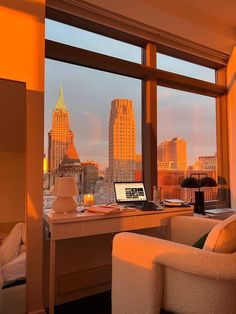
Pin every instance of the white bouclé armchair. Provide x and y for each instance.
(150, 274)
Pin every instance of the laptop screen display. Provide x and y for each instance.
(130, 192)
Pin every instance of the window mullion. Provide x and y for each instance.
(149, 122)
(222, 141)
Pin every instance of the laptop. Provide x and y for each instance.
(133, 194)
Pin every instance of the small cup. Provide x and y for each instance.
(156, 194)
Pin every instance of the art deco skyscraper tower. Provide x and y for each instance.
(122, 141)
(60, 135)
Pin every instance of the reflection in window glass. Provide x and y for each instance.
(92, 129)
(186, 141)
(182, 67)
(80, 38)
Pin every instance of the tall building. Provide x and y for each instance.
(90, 175)
(60, 135)
(122, 141)
(45, 164)
(205, 163)
(138, 168)
(172, 154)
(45, 172)
(172, 165)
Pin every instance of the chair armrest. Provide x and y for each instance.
(140, 263)
(184, 258)
(203, 263)
(137, 282)
(188, 229)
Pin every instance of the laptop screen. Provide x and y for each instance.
(130, 192)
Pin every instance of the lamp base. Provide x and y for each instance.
(64, 204)
(199, 203)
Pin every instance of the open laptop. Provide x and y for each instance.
(133, 194)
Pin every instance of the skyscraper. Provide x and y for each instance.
(90, 175)
(122, 141)
(172, 154)
(172, 165)
(60, 135)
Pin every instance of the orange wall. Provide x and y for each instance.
(202, 22)
(12, 151)
(231, 82)
(12, 196)
(22, 59)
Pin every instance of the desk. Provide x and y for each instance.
(76, 225)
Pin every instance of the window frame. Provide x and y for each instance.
(151, 77)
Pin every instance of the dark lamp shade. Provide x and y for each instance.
(190, 182)
(208, 181)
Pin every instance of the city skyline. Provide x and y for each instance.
(89, 119)
(97, 129)
(124, 160)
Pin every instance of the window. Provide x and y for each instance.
(189, 69)
(109, 71)
(80, 38)
(93, 102)
(186, 141)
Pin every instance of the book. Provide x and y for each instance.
(173, 202)
(218, 211)
(103, 209)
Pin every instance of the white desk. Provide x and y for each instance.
(63, 226)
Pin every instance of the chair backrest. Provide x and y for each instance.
(188, 229)
(222, 238)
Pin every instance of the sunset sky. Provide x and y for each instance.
(88, 94)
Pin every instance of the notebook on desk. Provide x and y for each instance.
(219, 211)
(133, 194)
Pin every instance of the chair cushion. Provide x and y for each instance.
(14, 270)
(222, 238)
(11, 244)
(201, 241)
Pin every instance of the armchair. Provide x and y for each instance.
(150, 274)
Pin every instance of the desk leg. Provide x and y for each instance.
(52, 276)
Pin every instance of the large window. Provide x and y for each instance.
(186, 141)
(101, 115)
(105, 101)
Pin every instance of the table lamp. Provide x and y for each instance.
(193, 182)
(65, 188)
